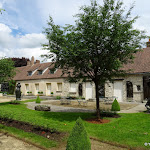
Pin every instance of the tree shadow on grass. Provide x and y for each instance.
(66, 116)
(5, 103)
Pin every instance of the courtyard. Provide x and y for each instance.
(130, 130)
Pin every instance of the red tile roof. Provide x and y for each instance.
(22, 72)
(141, 65)
(141, 62)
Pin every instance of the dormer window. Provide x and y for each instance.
(52, 71)
(29, 73)
(40, 72)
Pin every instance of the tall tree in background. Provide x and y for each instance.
(19, 62)
(7, 70)
(96, 47)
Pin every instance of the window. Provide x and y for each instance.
(37, 87)
(59, 86)
(48, 85)
(27, 87)
(138, 88)
(29, 73)
(52, 71)
(72, 87)
(101, 90)
(80, 89)
(40, 72)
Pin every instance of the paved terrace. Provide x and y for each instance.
(54, 108)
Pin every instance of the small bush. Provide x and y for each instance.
(58, 97)
(115, 106)
(14, 102)
(40, 92)
(38, 100)
(78, 139)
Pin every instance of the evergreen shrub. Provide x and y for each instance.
(115, 106)
(38, 100)
(78, 139)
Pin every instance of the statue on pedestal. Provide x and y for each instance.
(18, 92)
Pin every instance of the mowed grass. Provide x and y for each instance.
(130, 129)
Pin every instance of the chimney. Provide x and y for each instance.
(37, 61)
(28, 63)
(32, 60)
(148, 43)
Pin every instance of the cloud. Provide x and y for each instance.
(61, 11)
(31, 40)
(21, 45)
(22, 23)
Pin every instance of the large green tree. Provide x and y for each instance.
(7, 69)
(96, 47)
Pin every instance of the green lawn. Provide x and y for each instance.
(130, 129)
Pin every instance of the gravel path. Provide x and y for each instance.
(55, 108)
(139, 108)
(11, 143)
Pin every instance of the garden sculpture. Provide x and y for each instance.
(147, 105)
(18, 92)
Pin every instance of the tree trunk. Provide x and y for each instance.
(97, 100)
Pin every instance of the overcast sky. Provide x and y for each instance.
(22, 23)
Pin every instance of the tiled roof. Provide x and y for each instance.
(22, 72)
(141, 62)
(141, 65)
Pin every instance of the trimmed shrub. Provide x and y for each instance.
(38, 100)
(15, 102)
(115, 106)
(58, 97)
(78, 139)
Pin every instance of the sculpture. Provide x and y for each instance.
(147, 105)
(18, 92)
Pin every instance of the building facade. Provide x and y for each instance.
(41, 77)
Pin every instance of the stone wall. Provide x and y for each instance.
(54, 87)
(137, 80)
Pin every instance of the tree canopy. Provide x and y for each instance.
(97, 46)
(19, 62)
(7, 69)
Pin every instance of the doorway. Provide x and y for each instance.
(129, 87)
(118, 90)
(88, 90)
(80, 90)
(146, 87)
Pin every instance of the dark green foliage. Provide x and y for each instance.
(18, 62)
(115, 106)
(15, 102)
(58, 97)
(38, 100)
(98, 45)
(7, 70)
(12, 84)
(78, 139)
(40, 92)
